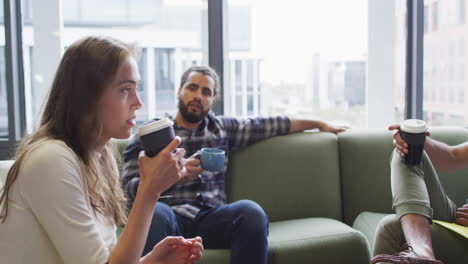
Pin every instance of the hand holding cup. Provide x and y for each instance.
(409, 139)
(159, 173)
(156, 135)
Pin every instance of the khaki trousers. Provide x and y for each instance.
(415, 190)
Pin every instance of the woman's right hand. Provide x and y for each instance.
(175, 250)
(159, 173)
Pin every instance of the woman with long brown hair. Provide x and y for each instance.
(62, 197)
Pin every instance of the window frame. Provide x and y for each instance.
(14, 78)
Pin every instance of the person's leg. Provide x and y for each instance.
(164, 223)
(417, 189)
(418, 196)
(241, 226)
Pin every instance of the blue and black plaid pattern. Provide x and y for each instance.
(227, 133)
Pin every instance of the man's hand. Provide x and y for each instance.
(461, 217)
(400, 145)
(175, 250)
(192, 165)
(325, 127)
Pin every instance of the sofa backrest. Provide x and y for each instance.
(455, 183)
(5, 166)
(321, 174)
(365, 170)
(291, 176)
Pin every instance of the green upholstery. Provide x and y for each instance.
(449, 247)
(308, 240)
(314, 185)
(291, 177)
(455, 183)
(365, 170)
(316, 240)
(216, 256)
(366, 222)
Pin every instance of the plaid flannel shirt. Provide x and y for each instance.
(208, 189)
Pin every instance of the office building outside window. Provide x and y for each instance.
(445, 52)
(171, 35)
(303, 63)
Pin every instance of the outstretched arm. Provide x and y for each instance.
(445, 158)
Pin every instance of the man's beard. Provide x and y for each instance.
(191, 117)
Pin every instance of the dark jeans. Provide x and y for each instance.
(241, 226)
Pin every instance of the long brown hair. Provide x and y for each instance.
(88, 66)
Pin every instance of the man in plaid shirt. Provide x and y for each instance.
(196, 206)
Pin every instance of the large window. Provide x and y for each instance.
(445, 50)
(305, 59)
(171, 34)
(341, 61)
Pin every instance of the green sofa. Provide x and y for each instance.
(325, 193)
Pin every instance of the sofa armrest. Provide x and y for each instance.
(5, 165)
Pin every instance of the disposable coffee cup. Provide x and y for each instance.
(156, 135)
(413, 132)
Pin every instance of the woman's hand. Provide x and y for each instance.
(159, 173)
(175, 250)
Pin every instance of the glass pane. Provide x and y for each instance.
(250, 106)
(444, 63)
(165, 81)
(239, 106)
(3, 94)
(309, 62)
(312, 61)
(172, 35)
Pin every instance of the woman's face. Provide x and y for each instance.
(117, 106)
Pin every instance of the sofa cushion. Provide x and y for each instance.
(308, 240)
(293, 176)
(448, 246)
(316, 240)
(365, 170)
(367, 222)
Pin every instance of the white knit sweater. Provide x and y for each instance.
(50, 218)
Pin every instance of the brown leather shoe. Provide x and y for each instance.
(406, 256)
